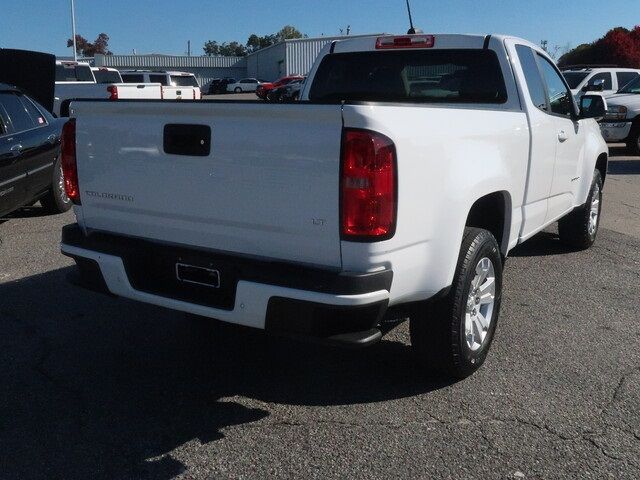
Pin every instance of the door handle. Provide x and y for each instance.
(16, 150)
(562, 136)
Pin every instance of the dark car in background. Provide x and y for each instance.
(30, 167)
(217, 86)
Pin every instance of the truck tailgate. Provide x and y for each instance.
(269, 186)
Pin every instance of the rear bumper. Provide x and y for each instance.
(342, 307)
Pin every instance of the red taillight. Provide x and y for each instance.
(368, 184)
(161, 93)
(68, 161)
(113, 90)
(408, 41)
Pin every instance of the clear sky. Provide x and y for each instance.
(164, 26)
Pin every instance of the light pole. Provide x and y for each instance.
(73, 31)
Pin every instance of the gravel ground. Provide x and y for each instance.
(99, 387)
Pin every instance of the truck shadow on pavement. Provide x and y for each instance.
(541, 245)
(99, 387)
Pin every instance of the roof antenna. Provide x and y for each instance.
(411, 30)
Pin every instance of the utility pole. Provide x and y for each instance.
(73, 31)
(188, 48)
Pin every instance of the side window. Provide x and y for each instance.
(532, 77)
(18, 115)
(606, 76)
(161, 79)
(245, 81)
(35, 114)
(560, 97)
(625, 77)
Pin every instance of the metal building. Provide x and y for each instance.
(288, 57)
(204, 68)
(284, 58)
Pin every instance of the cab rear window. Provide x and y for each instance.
(107, 76)
(68, 72)
(419, 76)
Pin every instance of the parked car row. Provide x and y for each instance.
(621, 89)
(80, 80)
(287, 93)
(267, 91)
(622, 120)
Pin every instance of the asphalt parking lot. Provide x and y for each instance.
(99, 387)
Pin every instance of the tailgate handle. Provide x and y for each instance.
(189, 140)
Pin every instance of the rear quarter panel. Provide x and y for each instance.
(447, 159)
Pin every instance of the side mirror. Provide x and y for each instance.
(593, 106)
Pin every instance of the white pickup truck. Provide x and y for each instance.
(394, 189)
(77, 80)
(175, 85)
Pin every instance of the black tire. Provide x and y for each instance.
(56, 200)
(633, 140)
(438, 327)
(576, 230)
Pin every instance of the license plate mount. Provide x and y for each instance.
(195, 275)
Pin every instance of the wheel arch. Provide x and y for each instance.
(601, 165)
(492, 212)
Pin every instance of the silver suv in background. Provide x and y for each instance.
(608, 80)
(622, 120)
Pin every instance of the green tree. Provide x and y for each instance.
(233, 49)
(288, 32)
(211, 48)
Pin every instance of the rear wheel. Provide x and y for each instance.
(452, 335)
(580, 228)
(56, 200)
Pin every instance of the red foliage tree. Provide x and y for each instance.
(619, 47)
(87, 49)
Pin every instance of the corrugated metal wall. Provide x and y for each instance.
(302, 54)
(204, 68)
(268, 63)
(168, 61)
